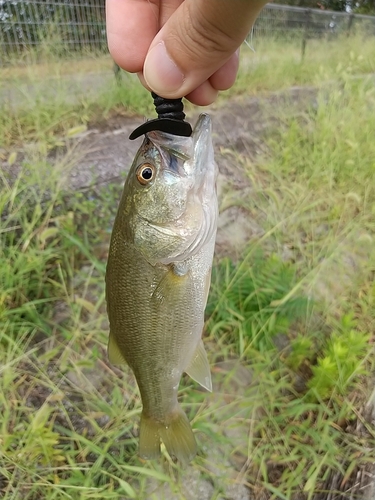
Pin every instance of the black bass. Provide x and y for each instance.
(158, 278)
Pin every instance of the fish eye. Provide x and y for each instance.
(145, 173)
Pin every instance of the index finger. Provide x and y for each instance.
(131, 27)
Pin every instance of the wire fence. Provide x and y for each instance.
(296, 22)
(60, 26)
(66, 27)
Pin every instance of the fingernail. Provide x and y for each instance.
(161, 73)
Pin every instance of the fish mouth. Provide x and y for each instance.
(202, 169)
(188, 170)
(202, 131)
(191, 158)
(198, 145)
(201, 204)
(202, 162)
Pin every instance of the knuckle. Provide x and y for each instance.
(202, 32)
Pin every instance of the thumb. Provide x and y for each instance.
(197, 40)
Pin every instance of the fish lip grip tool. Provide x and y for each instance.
(171, 119)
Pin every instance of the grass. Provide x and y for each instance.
(36, 67)
(316, 186)
(36, 111)
(289, 323)
(323, 62)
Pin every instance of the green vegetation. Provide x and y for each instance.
(36, 110)
(289, 323)
(323, 62)
(314, 356)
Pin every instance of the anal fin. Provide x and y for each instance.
(199, 368)
(114, 354)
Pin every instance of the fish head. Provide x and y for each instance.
(171, 194)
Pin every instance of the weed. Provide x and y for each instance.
(324, 61)
(243, 306)
(341, 361)
(312, 359)
(49, 111)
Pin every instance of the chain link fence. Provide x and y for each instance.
(60, 26)
(296, 22)
(66, 27)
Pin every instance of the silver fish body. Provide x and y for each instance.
(158, 278)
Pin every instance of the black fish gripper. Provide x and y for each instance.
(171, 119)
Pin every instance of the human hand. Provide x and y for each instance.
(181, 48)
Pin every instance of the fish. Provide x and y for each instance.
(158, 278)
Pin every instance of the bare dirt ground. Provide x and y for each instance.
(238, 125)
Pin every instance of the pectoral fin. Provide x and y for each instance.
(199, 369)
(172, 282)
(114, 355)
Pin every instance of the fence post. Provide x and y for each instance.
(350, 23)
(305, 33)
(117, 73)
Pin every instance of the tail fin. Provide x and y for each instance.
(176, 435)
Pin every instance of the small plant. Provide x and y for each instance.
(301, 350)
(248, 303)
(341, 361)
